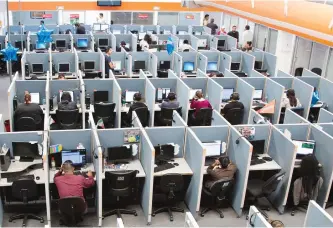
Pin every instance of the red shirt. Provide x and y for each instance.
(72, 185)
(199, 104)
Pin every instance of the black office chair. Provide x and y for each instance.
(25, 191)
(71, 210)
(204, 117)
(143, 115)
(234, 116)
(259, 188)
(166, 117)
(186, 50)
(299, 71)
(120, 184)
(67, 119)
(218, 193)
(105, 111)
(316, 70)
(25, 124)
(170, 184)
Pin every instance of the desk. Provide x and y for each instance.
(182, 168)
(18, 166)
(268, 165)
(132, 165)
(55, 108)
(256, 104)
(147, 73)
(68, 76)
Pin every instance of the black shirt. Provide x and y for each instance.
(213, 27)
(234, 34)
(29, 110)
(81, 30)
(65, 105)
(107, 66)
(134, 106)
(231, 105)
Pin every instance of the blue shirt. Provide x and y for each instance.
(315, 98)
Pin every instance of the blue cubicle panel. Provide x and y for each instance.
(166, 29)
(58, 58)
(218, 119)
(98, 36)
(270, 64)
(309, 73)
(177, 120)
(66, 37)
(14, 29)
(316, 216)
(90, 57)
(325, 116)
(150, 100)
(183, 93)
(257, 83)
(313, 81)
(65, 85)
(256, 118)
(291, 117)
(274, 91)
(246, 92)
(303, 92)
(283, 74)
(31, 28)
(83, 36)
(115, 138)
(298, 131)
(188, 57)
(255, 73)
(136, 28)
(214, 94)
(163, 56)
(197, 83)
(247, 63)
(182, 28)
(19, 41)
(92, 85)
(326, 92)
(141, 56)
(212, 133)
(286, 82)
(177, 64)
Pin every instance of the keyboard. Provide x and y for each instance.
(163, 167)
(26, 177)
(83, 173)
(257, 161)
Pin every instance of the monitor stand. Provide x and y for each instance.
(26, 159)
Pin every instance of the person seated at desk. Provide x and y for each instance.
(68, 184)
(61, 77)
(123, 44)
(290, 101)
(315, 97)
(184, 46)
(145, 42)
(233, 103)
(28, 109)
(137, 103)
(171, 102)
(198, 102)
(80, 29)
(222, 168)
(66, 102)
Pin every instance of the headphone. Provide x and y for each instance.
(252, 220)
(234, 96)
(68, 162)
(224, 160)
(172, 96)
(137, 96)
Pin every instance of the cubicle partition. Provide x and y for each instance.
(150, 96)
(134, 28)
(308, 73)
(149, 29)
(64, 28)
(225, 62)
(197, 83)
(197, 29)
(64, 37)
(188, 57)
(325, 89)
(182, 29)
(256, 118)
(201, 62)
(204, 42)
(214, 94)
(161, 57)
(166, 29)
(286, 82)
(88, 57)
(141, 56)
(127, 38)
(32, 42)
(117, 29)
(69, 58)
(18, 41)
(246, 92)
(100, 39)
(35, 58)
(325, 116)
(291, 117)
(255, 73)
(303, 92)
(14, 29)
(32, 28)
(256, 219)
(274, 91)
(316, 216)
(177, 63)
(283, 74)
(265, 61)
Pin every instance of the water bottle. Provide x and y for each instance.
(53, 165)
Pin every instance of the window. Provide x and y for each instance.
(167, 18)
(121, 17)
(37, 14)
(143, 18)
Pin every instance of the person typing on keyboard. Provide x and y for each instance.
(69, 184)
(222, 168)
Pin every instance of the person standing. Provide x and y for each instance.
(212, 26)
(247, 35)
(222, 31)
(100, 19)
(234, 33)
(80, 29)
(205, 20)
(108, 61)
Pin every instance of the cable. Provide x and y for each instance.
(252, 221)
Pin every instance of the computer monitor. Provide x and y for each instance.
(117, 65)
(97, 27)
(60, 44)
(226, 93)
(202, 43)
(235, 66)
(193, 91)
(257, 94)
(129, 95)
(188, 66)
(181, 32)
(89, 65)
(142, 35)
(116, 32)
(82, 43)
(119, 154)
(258, 147)
(212, 66)
(213, 149)
(304, 148)
(139, 65)
(101, 96)
(63, 68)
(197, 33)
(165, 65)
(78, 157)
(35, 98)
(70, 92)
(104, 27)
(220, 43)
(18, 44)
(258, 65)
(37, 68)
(103, 42)
(25, 150)
(40, 45)
(165, 152)
(162, 93)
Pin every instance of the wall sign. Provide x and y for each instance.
(189, 16)
(143, 16)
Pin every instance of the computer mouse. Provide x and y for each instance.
(267, 158)
(175, 164)
(37, 178)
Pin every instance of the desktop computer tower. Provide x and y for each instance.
(4, 161)
(53, 47)
(53, 70)
(15, 103)
(26, 70)
(87, 101)
(51, 103)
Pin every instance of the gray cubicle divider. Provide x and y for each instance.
(195, 156)
(92, 85)
(128, 64)
(83, 101)
(201, 74)
(298, 131)
(165, 83)
(32, 58)
(255, 73)
(262, 132)
(177, 64)
(316, 216)
(120, 28)
(270, 62)
(291, 117)
(240, 155)
(190, 221)
(197, 83)
(98, 36)
(206, 37)
(218, 119)
(65, 85)
(304, 93)
(148, 28)
(326, 127)
(274, 91)
(283, 74)
(257, 82)
(11, 92)
(247, 63)
(152, 67)
(256, 219)
(65, 57)
(133, 84)
(309, 73)
(32, 28)
(323, 152)
(286, 82)
(117, 99)
(150, 96)
(245, 91)
(178, 120)
(202, 62)
(137, 28)
(163, 56)
(311, 80)
(21, 37)
(46, 146)
(214, 41)
(91, 56)
(84, 36)
(184, 28)
(124, 37)
(2, 129)
(166, 27)
(32, 86)
(326, 92)
(141, 56)
(197, 28)
(236, 57)
(325, 116)
(212, 56)
(66, 37)
(136, 121)
(231, 42)
(64, 28)
(214, 93)
(188, 57)
(118, 56)
(17, 29)
(283, 151)
(113, 42)
(256, 118)
(134, 39)
(23, 61)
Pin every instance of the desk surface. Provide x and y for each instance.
(132, 165)
(183, 168)
(268, 165)
(255, 103)
(17, 166)
(318, 105)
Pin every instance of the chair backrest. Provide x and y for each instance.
(299, 71)
(120, 182)
(72, 206)
(272, 183)
(25, 124)
(104, 109)
(143, 115)
(234, 116)
(67, 119)
(204, 117)
(171, 183)
(24, 190)
(299, 111)
(221, 187)
(316, 70)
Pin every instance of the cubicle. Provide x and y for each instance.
(14, 29)
(191, 40)
(316, 216)
(117, 29)
(59, 59)
(188, 57)
(31, 64)
(223, 42)
(64, 28)
(197, 30)
(203, 42)
(62, 42)
(159, 58)
(103, 41)
(182, 29)
(129, 39)
(166, 29)
(283, 74)
(19, 41)
(86, 42)
(256, 219)
(214, 57)
(325, 116)
(142, 56)
(241, 62)
(32, 41)
(134, 28)
(150, 29)
(85, 60)
(265, 62)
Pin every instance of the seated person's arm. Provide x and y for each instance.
(284, 102)
(209, 105)
(193, 104)
(58, 174)
(88, 182)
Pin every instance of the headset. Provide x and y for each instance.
(234, 96)
(254, 219)
(137, 96)
(172, 96)
(225, 161)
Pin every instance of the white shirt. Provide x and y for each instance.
(101, 20)
(144, 44)
(184, 47)
(286, 104)
(247, 36)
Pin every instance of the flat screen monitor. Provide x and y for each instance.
(118, 154)
(89, 65)
(103, 42)
(37, 68)
(181, 32)
(188, 66)
(139, 65)
(78, 157)
(258, 146)
(212, 66)
(70, 92)
(202, 43)
(129, 95)
(116, 32)
(166, 151)
(18, 44)
(235, 66)
(213, 149)
(197, 33)
(220, 43)
(35, 98)
(60, 43)
(193, 91)
(117, 65)
(26, 150)
(141, 35)
(97, 27)
(162, 93)
(165, 65)
(226, 93)
(82, 43)
(257, 94)
(101, 96)
(258, 65)
(40, 45)
(63, 68)
(166, 32)
(104, 27)
(304, 148)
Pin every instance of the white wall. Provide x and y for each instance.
(3, 15)
(284, 50)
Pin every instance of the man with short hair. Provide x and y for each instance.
(100, 19)
(212, 26)
(247, 35)
(80, 29)
(108, 61)
(234, 33)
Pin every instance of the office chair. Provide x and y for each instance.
(105, 111)
(186, 50)
(299, 71)
(204, 117)
(169, 185)
(259, 188)
(218, 192)
(120, 184)
(25, 191)
(143, 115)
(25, 124)
(316, 70)
(71, 210)
(67, 119)
(166, 117)
(234, 116)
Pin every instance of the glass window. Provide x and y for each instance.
(121, 17)
(143, 18)
(167, 18)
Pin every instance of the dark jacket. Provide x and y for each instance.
(234, 34)
(29, 110)
(232, 105)
(213, 28)
(81, 30)
(134, 106)
(170, 104)
(219, 174)
(65, 105)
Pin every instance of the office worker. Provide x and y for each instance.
(145, 42)
(66, 102)
(61, 77)
(247, 47)
(171, 102)
(137, 103)
(212, 26)
(198, 102)
(233, 103)
(69, 184)
(222, 31)
(205, 20)
(41, 23)
(68, 31)
(184, 46)
(108, 61)
(123, 44)
(290, 101)
(315, 97)
(222, 168)
(28, 109)
(247, 35)
(234, 33)
(100, 19)
(80, 29)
